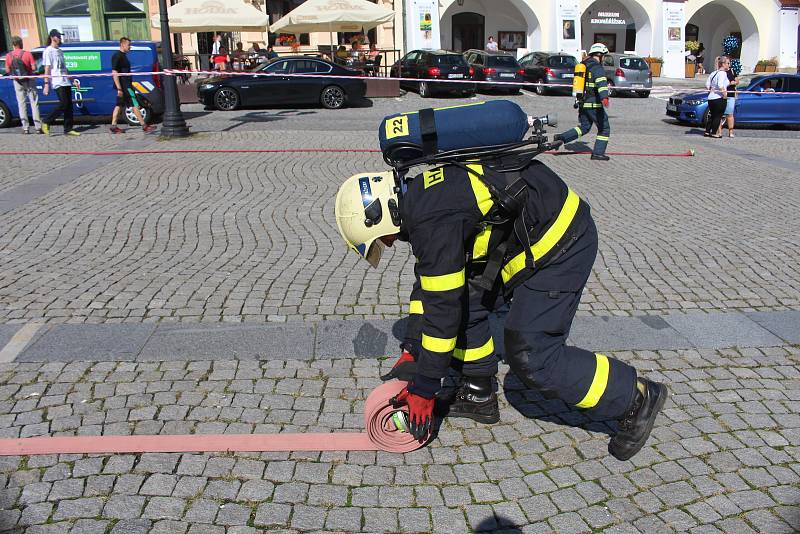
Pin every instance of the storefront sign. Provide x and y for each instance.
(82, 61)
(422, 24)
(672, 39)
(608, 17)
(568, 18)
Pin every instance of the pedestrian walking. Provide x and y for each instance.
(56, 68)
(717, 85)
(126, 96)
(538, 256)
(20, 62)
(591, 107)
(730, 102)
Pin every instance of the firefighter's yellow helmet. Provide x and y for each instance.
(366, 210)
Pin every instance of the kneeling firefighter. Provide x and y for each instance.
(591, 99)
(489, 227)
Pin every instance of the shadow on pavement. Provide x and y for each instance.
(534, 405)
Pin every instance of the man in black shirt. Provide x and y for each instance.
(126, 97)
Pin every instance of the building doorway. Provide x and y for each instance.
(468, 31)
(622, 25)
(714, 22)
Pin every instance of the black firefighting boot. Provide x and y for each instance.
(635, 426)
(474, 398)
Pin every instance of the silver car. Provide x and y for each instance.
(627, 73)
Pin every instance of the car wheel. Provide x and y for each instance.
(5, 116)
(131, 119)
(540, 89)
(424, 90)
(226, 99)
(642, 94)
(332, 97)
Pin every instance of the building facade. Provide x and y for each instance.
(767, 29)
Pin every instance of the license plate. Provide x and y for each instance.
(672, 107)
(567, 75)
(637, 85)
(455, 75)
(506, 74)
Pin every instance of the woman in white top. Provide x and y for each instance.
(717, 85)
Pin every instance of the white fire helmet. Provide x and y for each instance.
(598, 48)
(366, 210)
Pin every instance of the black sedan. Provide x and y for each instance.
(265, 85)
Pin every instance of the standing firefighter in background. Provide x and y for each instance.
(477, 245)
(592, 103)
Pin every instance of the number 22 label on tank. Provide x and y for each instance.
(397, 127)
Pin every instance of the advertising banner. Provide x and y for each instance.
(422, 24)
(568, 27)
(673, 39)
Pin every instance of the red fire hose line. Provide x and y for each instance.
(688, 153)
(381, 434)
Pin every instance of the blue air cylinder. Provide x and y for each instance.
(478, 124)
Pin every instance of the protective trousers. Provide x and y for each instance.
(587, 117)
(536, 331)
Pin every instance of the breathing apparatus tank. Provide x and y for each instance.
(410, 135)
(579, 82)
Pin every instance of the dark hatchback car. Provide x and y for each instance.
(265, 86)
(495, 67)
(435, 65)
(549, 67)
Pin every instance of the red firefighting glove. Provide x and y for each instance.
(605, 102)
(404, 368)
(420, 412)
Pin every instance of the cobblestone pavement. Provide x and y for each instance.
(221, 237)
(724, 456)
(251, 238)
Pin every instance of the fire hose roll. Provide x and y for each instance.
(381, 420)
(495, 122)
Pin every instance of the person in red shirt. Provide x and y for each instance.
(20, 62)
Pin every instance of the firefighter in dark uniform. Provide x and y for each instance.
(593, 104)
(443, 214)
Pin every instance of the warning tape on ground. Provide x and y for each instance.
(381, 435)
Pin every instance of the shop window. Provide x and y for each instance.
(692, 32)
(123, 6)
(66, 8)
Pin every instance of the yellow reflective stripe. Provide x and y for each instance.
(578, 131)
(589, 84)
(480, 248)
(602, 138)
(470, 355)
(438, 344)
(599, 383)
(444, 282)
(600, 79)
(550, 238)
(415, 307)
(482, 196)
(602, 89)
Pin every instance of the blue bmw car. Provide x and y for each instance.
(760, 107)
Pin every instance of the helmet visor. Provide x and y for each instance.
(374, 253)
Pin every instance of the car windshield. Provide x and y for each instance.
(745, 81)
(449, 60)
(561, 62)
(633, 63)
(503, 61)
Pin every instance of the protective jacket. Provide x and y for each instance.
(596, 84)
(447, 214)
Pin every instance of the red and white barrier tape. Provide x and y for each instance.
(175, 72)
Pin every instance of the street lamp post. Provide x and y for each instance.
(173, 124)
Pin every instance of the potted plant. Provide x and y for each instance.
(655, 65)
(772, 65)
(691, 65)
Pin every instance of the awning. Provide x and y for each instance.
(333, 15)
(213, 15)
